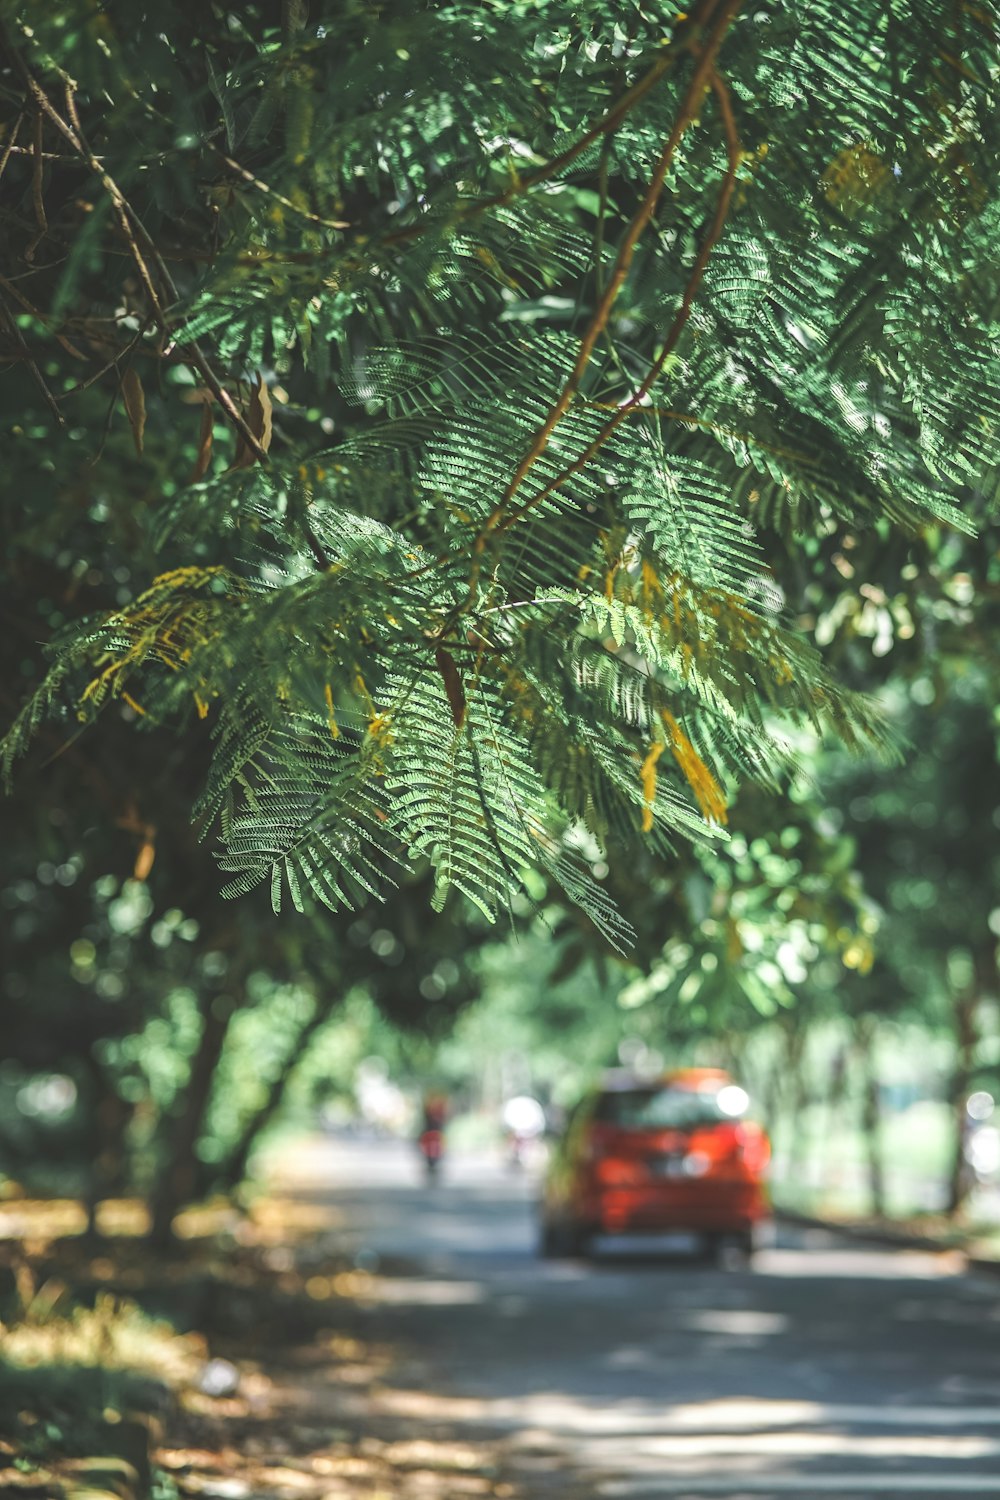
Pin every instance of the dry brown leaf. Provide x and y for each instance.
(134, 399)
(144, 860)
(258, 417)
(259, 414)
(452, 684)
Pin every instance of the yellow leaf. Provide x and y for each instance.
(647, 776)
(859, 954)
(331, 716)
(854, 179)
(144, 860)
(491, 263)
(380, 729)
(134, 400)
(707, 792)
(361, 688)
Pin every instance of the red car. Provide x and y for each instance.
(675, 1154)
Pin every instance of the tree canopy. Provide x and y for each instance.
(494, 375)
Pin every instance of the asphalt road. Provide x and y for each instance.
(828, 1369)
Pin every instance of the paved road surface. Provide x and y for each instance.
(830, 1369)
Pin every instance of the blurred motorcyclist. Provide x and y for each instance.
(431, 1139)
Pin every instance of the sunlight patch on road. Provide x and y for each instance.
(807, 1443)
(746, 1322)
(848, 1262)
(423, 1405)
(856, 1485)
(424, 1293)
(754, 1415)
(743, 1420)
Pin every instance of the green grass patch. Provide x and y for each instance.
(82, 1386)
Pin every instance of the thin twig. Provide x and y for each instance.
(322, 561)
(11, 144)
(46, 155)
(688, 419)
(71, 109)
(734, 156)
(37, 193)
(501, 518)
(130, 222)
(606, 125)
(36, 373)
(603, 167)
(603, 127)
(602, 209)
(271, 192)
(198, 359)
(112, 364)
(117, 197)
(700, 80)
(42, 317)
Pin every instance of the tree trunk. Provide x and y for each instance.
(772, 1095)
(111, 1115)
(234, 1169)
(795, 1046)
(959, 1181)
(871, 1115)
(831, 1102)
(179, 1180)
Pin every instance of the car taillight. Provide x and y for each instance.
(753, 1147)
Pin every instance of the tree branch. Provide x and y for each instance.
(734, 156)
(257, 182)
(43, 318)
(12, 144)
(500, 518)
(130, 222)
(605, 126)
(36, 374)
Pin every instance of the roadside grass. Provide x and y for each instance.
(821, 1169)
(88, 1374)
(241, 1363)
(111, 1354)
(83, 1386)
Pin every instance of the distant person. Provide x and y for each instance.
(435, 1111)
(431, 1138)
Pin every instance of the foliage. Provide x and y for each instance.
(114, 990)
(75, 1382)
(475, 357)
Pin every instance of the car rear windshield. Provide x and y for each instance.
(659, 1109)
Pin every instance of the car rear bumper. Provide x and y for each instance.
(726, 1208)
